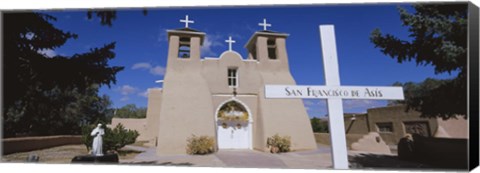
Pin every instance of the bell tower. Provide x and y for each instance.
(269, 50)
(268, 47)
(185, 92)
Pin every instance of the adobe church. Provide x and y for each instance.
(224, 97)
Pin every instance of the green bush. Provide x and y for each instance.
(113, 139)
(200, 145)
(279, 144)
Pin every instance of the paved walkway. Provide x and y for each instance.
(315, 159)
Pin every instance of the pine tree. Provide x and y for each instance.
(438, 35)
(38, 89)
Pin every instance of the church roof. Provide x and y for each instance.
(187, 32)
(270, 31)
(267, 33)
(186, 29)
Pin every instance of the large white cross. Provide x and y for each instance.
(186, 21)
(265, 24)
(334, 93)
(230, 41)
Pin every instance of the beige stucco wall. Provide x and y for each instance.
(398, 116)
(186, 107)
(138, 124)
(153, 115)
(359, 125)
(452, 128)
(281, 116)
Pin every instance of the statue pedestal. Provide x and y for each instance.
(106, 158)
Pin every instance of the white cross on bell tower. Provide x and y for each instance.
(265, 24)
(230, 41)
(186, 21)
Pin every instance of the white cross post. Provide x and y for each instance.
(334, 93)
(186, 21)
(335, 106)
(230, 41)
(265, 24)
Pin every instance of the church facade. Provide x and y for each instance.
(224, 97)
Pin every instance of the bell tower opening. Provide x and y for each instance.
(184, 47)
(272, 48)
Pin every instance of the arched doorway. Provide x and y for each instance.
(234, 125)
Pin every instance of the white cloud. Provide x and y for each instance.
(155, 70)
(144, 93)
(362, 104)
(124, 98)
(141, 65)
(315, 107)
(308, 102)
(210, 42)
(48, 52)
(126, 90)
(162, 35)
(158, 70)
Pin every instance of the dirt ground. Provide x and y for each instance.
(61, 154)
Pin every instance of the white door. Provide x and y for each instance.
(233, 135)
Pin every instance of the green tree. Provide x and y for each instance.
(131, 111)
(318, 126)
(38, 90)
(438, 37)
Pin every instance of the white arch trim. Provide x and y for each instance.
(250, 119)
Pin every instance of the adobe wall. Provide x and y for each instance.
(357, 125)
(324, 138)
(452, 128)
(398, 116)
(138, 124)
(153, 115)
(24, 144)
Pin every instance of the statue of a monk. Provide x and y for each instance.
(97, 133)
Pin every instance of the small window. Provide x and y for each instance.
(232, 77)
(184, 48)
(272, 47)
(385, 127)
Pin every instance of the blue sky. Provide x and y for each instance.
(142, 44)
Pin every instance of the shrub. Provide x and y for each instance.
(113, 139)
(200, 145)
(279, 144)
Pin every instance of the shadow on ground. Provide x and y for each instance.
(162, 164)
(126, 152)
(365, 160)
(382, 161)
(176, 164)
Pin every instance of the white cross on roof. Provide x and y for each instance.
(230, 41)
(265, 24)
(186, 21)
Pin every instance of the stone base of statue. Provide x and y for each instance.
(106, 158)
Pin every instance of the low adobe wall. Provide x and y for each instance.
(138, 124)
(24, 144)
(324, 138)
